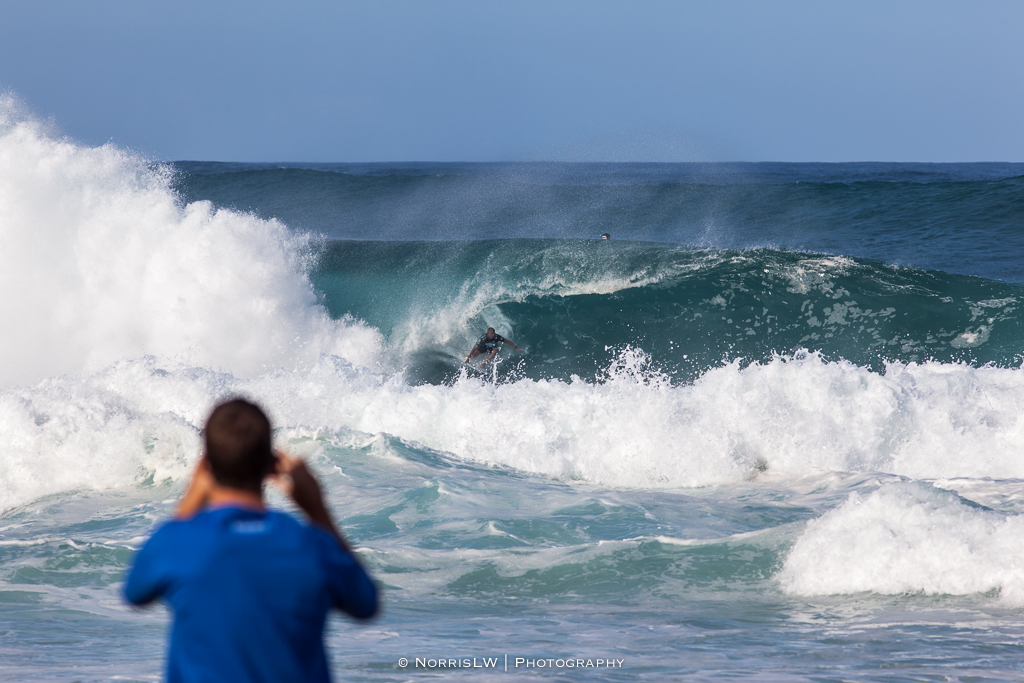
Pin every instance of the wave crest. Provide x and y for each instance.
(102, 262)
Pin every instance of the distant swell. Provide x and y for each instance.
(898, 213)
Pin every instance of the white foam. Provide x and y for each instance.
(100, 262)
(67, 434)
(908, 538)
(787, 418)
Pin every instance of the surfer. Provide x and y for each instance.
(250, 587)
(489, 343)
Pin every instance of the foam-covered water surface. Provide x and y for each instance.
(769, 436)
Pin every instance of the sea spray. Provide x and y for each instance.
(101, 262)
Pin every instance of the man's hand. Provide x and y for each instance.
(298, 483)
(198, 494)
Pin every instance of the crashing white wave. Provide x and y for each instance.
(101, 262)
(909, 538)
(138, 420)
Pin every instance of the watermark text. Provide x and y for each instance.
(506, 662)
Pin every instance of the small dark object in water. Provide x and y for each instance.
(606, 235)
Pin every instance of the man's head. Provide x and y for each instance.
(490, 332)
(238, 445)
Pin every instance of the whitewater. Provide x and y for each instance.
(772, 430)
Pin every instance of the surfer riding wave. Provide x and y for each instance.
(490, 343)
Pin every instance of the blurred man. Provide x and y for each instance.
(250, 587)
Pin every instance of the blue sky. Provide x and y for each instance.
(445, 80)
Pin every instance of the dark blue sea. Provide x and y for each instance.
(772, 429)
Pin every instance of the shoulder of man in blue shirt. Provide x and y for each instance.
(270, 550)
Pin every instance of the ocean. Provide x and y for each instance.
(771, 430)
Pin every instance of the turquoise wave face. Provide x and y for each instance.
(576, 305)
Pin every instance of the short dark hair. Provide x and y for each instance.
(238, 445)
